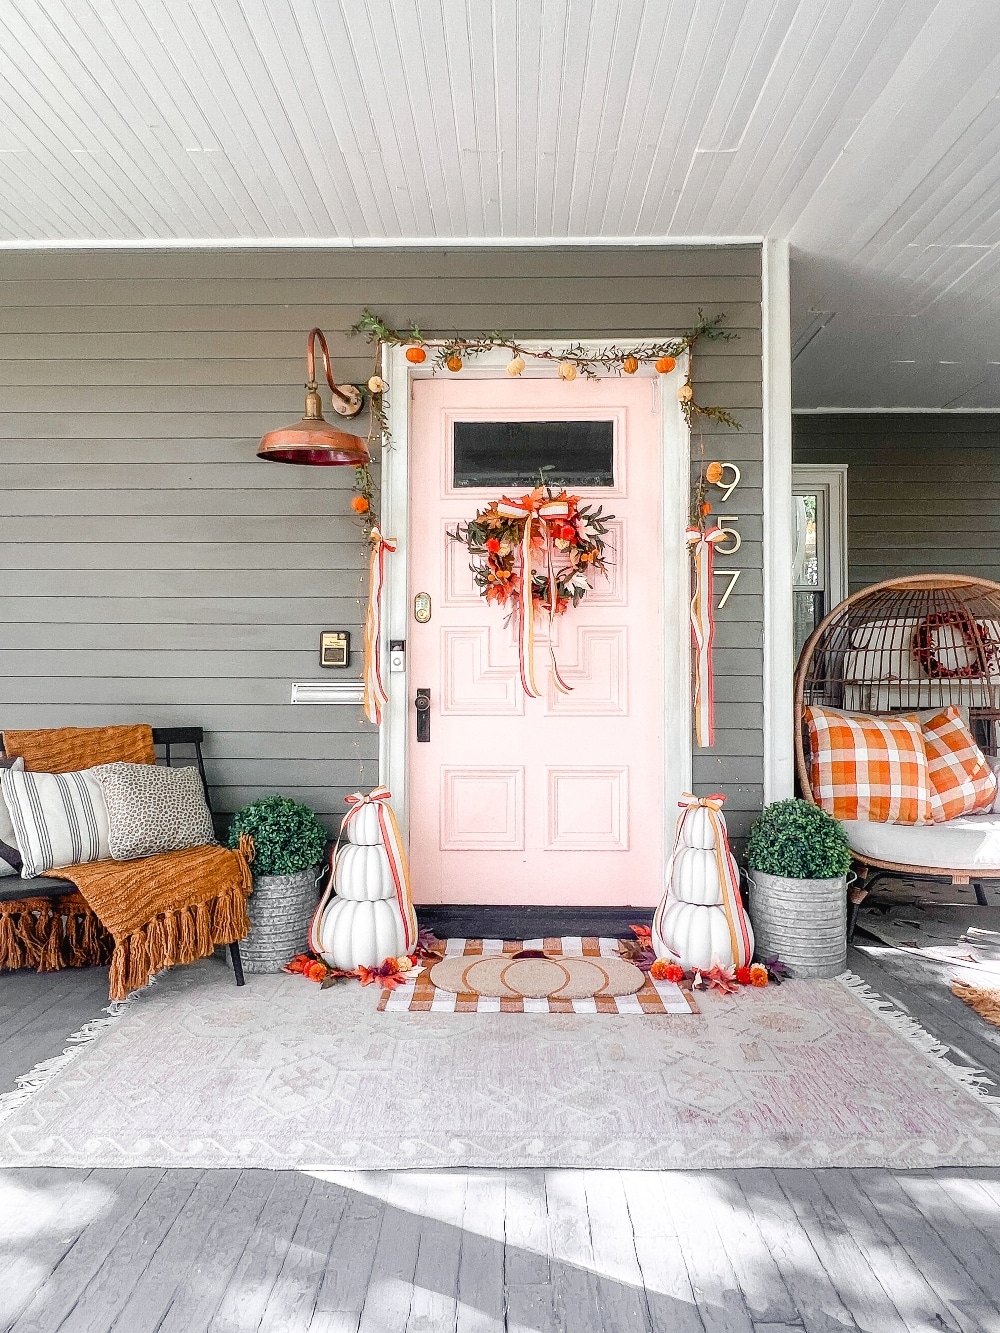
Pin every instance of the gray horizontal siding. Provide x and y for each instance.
(346, 294)
(375, 265)
(526, 317)
(154, 570)
(129, 610)
(923, 490)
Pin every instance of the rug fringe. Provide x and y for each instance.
(27, 1085)
(975, 1081)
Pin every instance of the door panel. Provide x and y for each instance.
(558, 799)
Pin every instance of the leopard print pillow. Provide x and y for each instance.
(153, 810)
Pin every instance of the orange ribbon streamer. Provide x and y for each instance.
(375, 695)
(702, 543)
(534, 509)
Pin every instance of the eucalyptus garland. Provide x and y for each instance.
(451, 353)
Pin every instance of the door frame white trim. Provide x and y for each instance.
(779, 755)
(394, 738)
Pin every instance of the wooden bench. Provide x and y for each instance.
(12, 889)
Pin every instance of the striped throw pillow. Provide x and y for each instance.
(59, 819)
(871, 768)
(962, 779)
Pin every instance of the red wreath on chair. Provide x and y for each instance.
(925, 646)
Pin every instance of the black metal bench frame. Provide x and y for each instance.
(46, 887)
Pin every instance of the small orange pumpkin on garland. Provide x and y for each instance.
(713, 474)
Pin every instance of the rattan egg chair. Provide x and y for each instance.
(908, 644)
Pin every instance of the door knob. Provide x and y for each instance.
(422, 703)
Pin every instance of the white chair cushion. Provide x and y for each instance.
(971, 842)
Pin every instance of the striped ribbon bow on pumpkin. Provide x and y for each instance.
(534, 509)
(399, 868)
(375, 694)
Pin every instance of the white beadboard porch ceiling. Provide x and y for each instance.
(865, 131)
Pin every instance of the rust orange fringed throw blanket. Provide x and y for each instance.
(146, 914)
(167, 909)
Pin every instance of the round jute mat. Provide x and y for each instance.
(513, 978)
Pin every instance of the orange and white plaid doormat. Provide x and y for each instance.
(422, 996)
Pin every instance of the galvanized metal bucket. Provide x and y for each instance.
(280, 907)
(803, 921)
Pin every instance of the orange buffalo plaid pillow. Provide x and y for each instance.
(872, 768)
(962, 780)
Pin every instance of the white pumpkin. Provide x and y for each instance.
(697, 829)
(363, 828)
(355, 933)
(695, 877)
(362, 873)
(697, 936)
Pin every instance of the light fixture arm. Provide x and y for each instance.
(346, 401)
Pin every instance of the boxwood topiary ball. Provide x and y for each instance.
(287, 836)
(798, 840)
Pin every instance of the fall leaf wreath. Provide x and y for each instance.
(568, 547)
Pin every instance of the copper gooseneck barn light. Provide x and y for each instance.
(312, 440)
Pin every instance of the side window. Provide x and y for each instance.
(819, 546)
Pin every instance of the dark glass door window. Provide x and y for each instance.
(513, 453)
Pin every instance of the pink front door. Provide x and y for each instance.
(559, 799)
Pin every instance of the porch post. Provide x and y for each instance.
(779, 761)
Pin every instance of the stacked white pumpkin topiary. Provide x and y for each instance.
(366, 913)
(700, 921)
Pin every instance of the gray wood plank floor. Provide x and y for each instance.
(228, 1251)
(161, 1251)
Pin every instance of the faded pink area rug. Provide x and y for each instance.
(194, 1072)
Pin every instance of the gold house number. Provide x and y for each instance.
(735, 540)
(733, 575)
